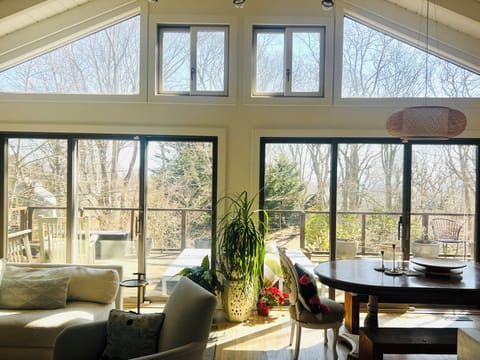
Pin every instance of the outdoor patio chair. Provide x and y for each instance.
(447, 232)
(301, 317)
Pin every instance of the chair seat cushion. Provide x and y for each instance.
(336, 313)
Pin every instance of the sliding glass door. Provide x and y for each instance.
(365, 195)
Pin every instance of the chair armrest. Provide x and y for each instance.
(190, 351)
(81, 342)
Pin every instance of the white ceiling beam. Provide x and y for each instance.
(11, 7)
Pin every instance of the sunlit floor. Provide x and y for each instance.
(268, 338)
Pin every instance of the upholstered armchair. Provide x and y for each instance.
(183, 335)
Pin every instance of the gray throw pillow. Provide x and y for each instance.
(131, 335)
(33, 294)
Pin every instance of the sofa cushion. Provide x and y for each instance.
(97, 285)
(33, 294)
(131, 335)
(86, 284)
(39, 328)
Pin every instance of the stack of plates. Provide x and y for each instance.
(438, 266)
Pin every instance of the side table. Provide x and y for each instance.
(139, 283)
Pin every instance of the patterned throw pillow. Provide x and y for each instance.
(131, 335)
(33, 294)
(308, 291)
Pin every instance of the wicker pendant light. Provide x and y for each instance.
(426, 122)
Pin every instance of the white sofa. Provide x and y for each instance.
(468, 344)
(29, 333)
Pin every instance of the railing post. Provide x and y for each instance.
(183, 235)
(302, 230)
(424, 226)
(364, 226)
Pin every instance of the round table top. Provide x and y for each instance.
(358, 276)
(134, 283)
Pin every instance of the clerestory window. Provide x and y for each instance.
(376, 65)
(289, 61)
(193, 60)
(103, 63)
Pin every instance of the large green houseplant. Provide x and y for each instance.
(241, 244)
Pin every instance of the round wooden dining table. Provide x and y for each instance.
(359, 276)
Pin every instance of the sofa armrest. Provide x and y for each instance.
(190, 351)
(80, 342)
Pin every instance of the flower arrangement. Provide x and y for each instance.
(269, 297)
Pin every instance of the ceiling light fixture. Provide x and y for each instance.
(239, 4)
(426, 122)
(327, 5)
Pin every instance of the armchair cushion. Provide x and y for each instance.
(131, 335)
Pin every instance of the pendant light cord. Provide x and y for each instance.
(426, 53)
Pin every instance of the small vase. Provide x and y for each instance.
(263, 309)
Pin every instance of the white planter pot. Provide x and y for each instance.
(346, 249)
(425, 248)
(237, 300)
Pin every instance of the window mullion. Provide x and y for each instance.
(193, 59)
(288, 62)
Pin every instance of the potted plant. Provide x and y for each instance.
(203, 275)
(241, 244)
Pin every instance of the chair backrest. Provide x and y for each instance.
(85, 247)
(290, 276)
(18, 247)
(52, 239)
(188, 315)
(53, 244)
(446, 229)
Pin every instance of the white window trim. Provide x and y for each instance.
(288, 32)
(193, 31)
(155, 97)
(249, 55)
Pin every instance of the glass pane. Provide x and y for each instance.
(269, 63)
(369, 198)
(108, 196)
(378, 65)
(297, 192)
(306, 61)
(175, 61)
(106, 62)
(443, 187)
(210, 73)
(179, 215)
(37, 185)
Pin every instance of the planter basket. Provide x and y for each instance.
(237, 301)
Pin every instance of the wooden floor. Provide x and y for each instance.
(267, 338)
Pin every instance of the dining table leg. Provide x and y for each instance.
(371, 320)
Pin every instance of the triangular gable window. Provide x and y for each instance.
(105, 62)
(376, 65)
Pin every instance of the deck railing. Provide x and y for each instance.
(279, 220)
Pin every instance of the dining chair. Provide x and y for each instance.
(53, 236)
(301, 315)
(447, 232)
